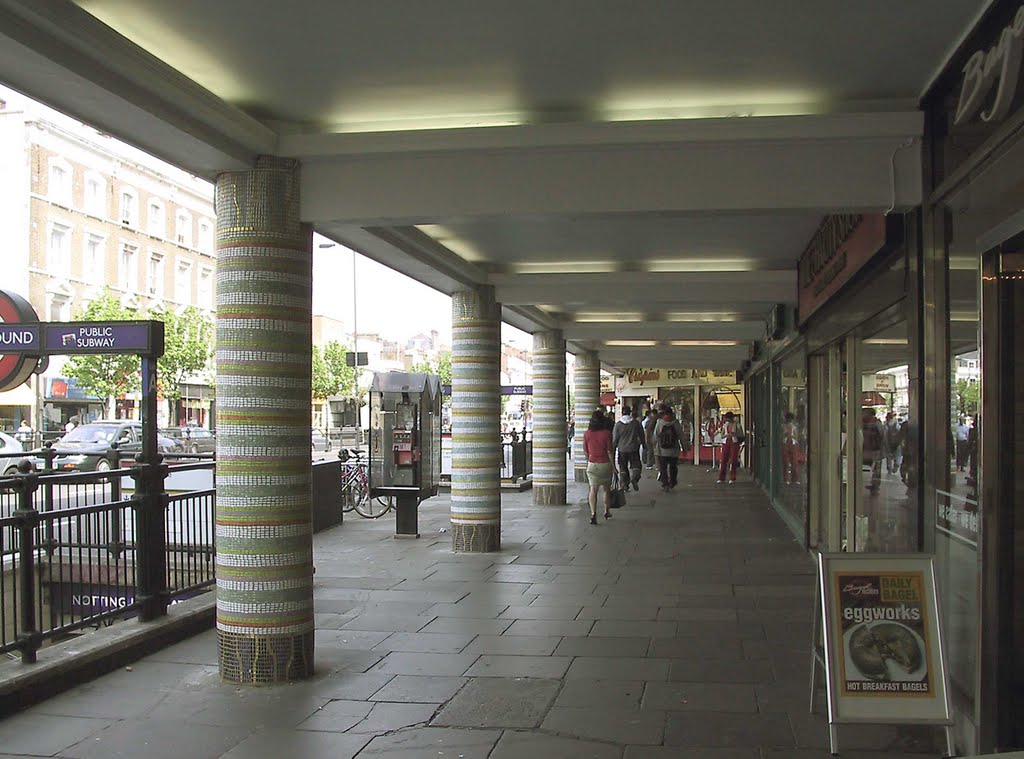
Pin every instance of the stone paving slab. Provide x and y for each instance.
(676, 629)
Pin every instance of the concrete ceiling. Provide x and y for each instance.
(625, 171)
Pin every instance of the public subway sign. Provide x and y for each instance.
(24, 340)
(840, 247)
(991, 76)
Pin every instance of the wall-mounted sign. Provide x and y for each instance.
(840, 247)
(505, 389)
(881, 640)
(991, 76)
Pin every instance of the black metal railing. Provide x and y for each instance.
(79, 550)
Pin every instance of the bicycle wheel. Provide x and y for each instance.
(374, 508)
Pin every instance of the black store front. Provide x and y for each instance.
(973, 337)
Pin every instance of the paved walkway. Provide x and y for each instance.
(679, 628)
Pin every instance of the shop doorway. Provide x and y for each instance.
(1001, 424)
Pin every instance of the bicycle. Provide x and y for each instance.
(355, 487)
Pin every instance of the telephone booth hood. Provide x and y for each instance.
(405, 434)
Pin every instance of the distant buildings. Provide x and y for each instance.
(82, 212)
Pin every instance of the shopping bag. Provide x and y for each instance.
(618, 494)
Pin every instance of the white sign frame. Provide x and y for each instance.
(829, 648)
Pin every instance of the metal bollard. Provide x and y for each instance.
(29, 638)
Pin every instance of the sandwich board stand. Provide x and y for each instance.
(878, 638)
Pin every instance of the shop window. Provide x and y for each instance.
(887, 503)
(791, 456)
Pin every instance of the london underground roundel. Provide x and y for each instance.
(15, 368)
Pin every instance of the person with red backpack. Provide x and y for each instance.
(668, 439)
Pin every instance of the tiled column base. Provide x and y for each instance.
(476, 538)
(265, 659)
(549, 495)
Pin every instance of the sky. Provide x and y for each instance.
(387, 301)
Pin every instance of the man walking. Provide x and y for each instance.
(668, 437)
(627, 437)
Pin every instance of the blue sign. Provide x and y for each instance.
(19, 337)
(505, 389)
(96, 337)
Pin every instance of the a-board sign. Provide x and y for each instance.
(883, 651)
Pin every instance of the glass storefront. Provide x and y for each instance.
(957, 495)
(790, 456)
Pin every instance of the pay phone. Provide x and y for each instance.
(405, 441)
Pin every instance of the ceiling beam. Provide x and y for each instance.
(704, 166)
(743, 331)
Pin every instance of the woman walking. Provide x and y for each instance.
(597, 447)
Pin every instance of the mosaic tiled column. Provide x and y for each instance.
(264, 484)
(587, 379)
(476, 421)
(549, 426)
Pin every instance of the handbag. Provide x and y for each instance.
(618, 494)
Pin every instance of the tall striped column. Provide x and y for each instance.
(476, 421)
(587, 378)
(549, 426)
(264, 483)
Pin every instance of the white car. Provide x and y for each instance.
(9, 446)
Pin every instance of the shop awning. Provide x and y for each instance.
(607, 399)
(22, 395)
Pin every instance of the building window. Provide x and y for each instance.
(156, 222)
(183, 282)
(205, 236)
(58, 249)
(205, 294)
(95, 195)
(59, 307)
(155, 275)
(93, 258)
(129, 268)
(183, 228)
(59, 188)
(129, 208)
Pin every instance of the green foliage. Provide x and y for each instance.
(442, 367)
(968, 395)
(188, 349)
(105, 377)
(331, 374)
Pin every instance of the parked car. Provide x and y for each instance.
(191, 438)
(86, 448)
(9, 444)
(320, 441)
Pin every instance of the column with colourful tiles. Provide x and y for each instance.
(476, 421)
(264, 484)
(549, 427)
(587, 380)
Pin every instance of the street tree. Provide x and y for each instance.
(104, 376)
(331, 373)
(442, 367)
(188, 350)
